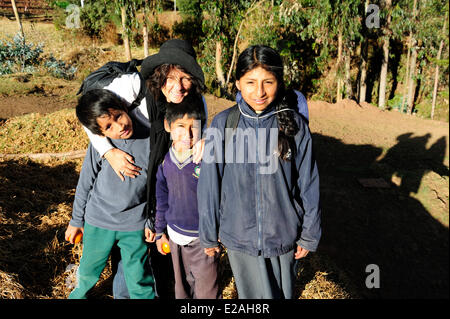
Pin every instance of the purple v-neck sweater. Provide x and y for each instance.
(176, 196)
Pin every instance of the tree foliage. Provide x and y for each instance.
(327, 46)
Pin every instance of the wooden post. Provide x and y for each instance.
(16, 14)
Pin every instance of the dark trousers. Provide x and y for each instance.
(196, 274)
(160, 266)
(163, 273)
(263, 278)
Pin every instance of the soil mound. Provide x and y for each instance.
(345, 104)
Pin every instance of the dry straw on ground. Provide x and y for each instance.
(38, 197)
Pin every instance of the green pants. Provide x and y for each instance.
(97, 245)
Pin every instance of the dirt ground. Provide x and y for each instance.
(19, 105)
(384, 193)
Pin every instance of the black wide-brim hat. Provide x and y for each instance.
(175, 51)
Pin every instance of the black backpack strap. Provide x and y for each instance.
(133, 64)
(232, 122)
(141, 95)
(233, 117)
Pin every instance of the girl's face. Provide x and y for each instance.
(177, 86)
(258, 88)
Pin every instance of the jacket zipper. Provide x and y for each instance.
(258, 193)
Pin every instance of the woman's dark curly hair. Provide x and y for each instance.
(159, 77)
(269, 59)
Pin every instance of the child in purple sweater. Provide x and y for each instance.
(177, 216)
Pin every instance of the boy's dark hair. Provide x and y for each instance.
(192, 106)
(96, 103)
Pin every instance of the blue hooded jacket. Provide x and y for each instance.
(248, 197)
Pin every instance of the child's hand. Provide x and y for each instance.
(71, 233)
(160, 242)
(122, 163)
(301, 252)
(197, 151)
(149, 236)
(212, 251)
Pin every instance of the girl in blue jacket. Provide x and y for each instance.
(258, 191)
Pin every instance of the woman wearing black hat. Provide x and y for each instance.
(170, 75)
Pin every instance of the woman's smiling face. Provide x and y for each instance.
(258, 87)
(177, 86)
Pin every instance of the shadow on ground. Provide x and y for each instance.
(32, 230)
(386, 227)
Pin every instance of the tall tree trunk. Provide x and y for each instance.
(410, 44)
(384, 63)
(252, 7)
(363, 66)
(145, 29)
(412, 67)
(383, 75)
(406, 79)
(363, 75)
(339, 62)
(219, 71)
(126, 41)
(436, 72)
(412, 78)
(348, 80)
(145, 35)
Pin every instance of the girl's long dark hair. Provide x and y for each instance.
(269, 59)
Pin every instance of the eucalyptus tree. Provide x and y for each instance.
(130, 11)
(371, 21)
(387, 6)
(432, 36)
(444, 39)
(426, 20)
(337, 26)
(220, 25)
(124, 8)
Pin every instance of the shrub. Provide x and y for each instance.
(60, 69)
(18, 56)
(95, 15)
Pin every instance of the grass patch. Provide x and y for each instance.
(35, 133)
